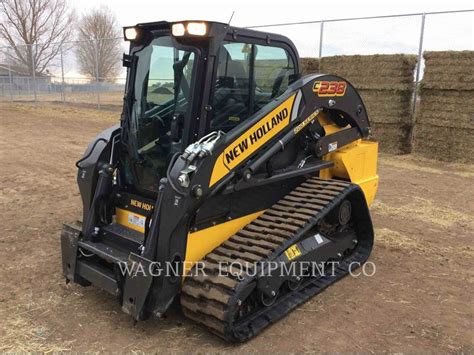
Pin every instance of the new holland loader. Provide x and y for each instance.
(225, 159)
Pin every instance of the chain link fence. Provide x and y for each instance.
(89, 72)
(82, 73)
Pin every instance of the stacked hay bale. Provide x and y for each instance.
(385, 83)
(309, 65)
(445, 117)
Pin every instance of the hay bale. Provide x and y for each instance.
(385, 83)
(392, 72)
(387, 106)
(444, 143)
(309, 65)
(392, 138)
(448, 55)
(446, 108)
(445, 117)
(449, 70)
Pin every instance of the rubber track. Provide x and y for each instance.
(212, 300)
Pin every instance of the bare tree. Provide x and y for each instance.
(36, 30)
(99, 49)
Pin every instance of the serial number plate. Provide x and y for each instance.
(136, 220)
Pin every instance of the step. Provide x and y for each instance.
(123, 237)
(104, 251)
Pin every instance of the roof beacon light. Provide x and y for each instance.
(197, 28)
(178, 29)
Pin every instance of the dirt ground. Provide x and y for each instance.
(420, 298)
(106, 99)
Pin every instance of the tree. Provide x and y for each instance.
(36, 30)
(99, 48)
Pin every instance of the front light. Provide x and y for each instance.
(130, 33)
(177, 29)
(197, 28)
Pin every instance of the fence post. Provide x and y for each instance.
(33, 70)
(97, 71)
(10, 79)
(417, 82)
(63, 92)
(418, 64)
(321, 32)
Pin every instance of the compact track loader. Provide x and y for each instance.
(230, 179)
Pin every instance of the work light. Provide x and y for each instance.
(178, 29)
(191, 28)
(130, 33)
(197, 28)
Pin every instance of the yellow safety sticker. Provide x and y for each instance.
(292, 252)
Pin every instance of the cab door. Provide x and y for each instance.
(247, 77)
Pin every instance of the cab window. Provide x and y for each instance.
(248, 77)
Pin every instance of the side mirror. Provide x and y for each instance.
(176, 129)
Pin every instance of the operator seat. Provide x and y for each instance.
(231, 95)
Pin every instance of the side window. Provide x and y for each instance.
(169, 75)
(273, 67)
(248, 77)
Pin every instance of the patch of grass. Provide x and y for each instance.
(425, 210)
(60, 112)
(426, 165)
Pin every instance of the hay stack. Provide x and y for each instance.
(309, 65)
(374, 72)
(445, 118)
(449, 70)
(385, 83)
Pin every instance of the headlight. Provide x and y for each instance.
(197, 28)
(130, 33)
(177, 29)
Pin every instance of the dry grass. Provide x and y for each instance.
(48, 111)
(24, 331)
(391, 238)
(415, 162)
(426, 211)
(23, 335)
(411, 244)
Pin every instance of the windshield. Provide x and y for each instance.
(162, 91)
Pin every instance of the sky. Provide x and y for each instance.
(380, 36)
(442, 32)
